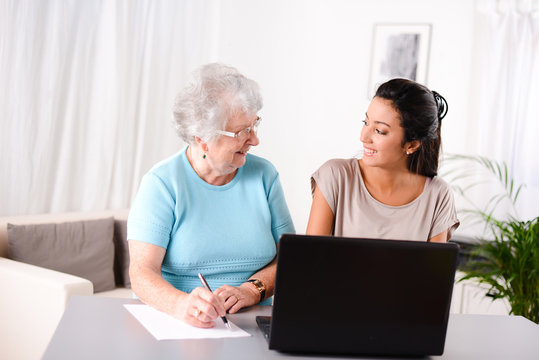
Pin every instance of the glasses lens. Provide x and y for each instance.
(245, 133)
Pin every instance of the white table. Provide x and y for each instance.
(101, 328)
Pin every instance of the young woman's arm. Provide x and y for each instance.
(441, 237)
(321, 218)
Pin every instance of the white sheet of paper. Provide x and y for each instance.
(164, 327)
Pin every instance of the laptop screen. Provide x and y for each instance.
(362, 296)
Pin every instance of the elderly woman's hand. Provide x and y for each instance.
(236, 298)
(200, 308)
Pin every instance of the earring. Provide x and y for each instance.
(204, 156)
(407, 153)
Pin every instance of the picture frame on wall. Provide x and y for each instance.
(399, 51)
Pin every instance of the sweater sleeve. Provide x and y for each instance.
(281, 221)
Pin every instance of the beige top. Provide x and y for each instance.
(358, 214)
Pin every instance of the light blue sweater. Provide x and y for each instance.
(227, 232)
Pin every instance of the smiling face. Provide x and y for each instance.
(226, 154)
(382, 136)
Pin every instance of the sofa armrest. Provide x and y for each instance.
(32, 302)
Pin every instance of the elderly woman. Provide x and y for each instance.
(212, 208)
(392, 192)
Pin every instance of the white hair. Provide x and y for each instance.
(215, 93)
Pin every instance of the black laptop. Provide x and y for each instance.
(354, 296)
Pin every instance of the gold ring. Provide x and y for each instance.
(197, 313)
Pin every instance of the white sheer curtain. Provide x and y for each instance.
(86, 94)
(505, 124)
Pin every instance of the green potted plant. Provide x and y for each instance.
(507, 258)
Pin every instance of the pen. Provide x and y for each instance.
(205, 284)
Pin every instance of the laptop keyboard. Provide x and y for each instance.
(264, 323)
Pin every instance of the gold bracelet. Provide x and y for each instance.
(259, 286)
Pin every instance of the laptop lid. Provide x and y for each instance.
(361, 296)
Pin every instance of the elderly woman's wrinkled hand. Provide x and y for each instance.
(236, 298)
(200, 308)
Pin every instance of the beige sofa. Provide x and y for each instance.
(33, 298)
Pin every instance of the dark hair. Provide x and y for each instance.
(421, 112)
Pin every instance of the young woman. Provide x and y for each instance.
(392, 192)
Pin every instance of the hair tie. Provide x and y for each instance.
(441, 104)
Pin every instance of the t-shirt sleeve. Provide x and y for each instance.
(281, 221)
(445, 217)
(326, 180)
(152, 214)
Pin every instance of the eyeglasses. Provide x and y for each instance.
(242, 135)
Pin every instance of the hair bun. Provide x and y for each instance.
(441, 103)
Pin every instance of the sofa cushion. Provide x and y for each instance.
(82, 248)
(121, 254)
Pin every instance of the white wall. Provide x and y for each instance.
(312, 60)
